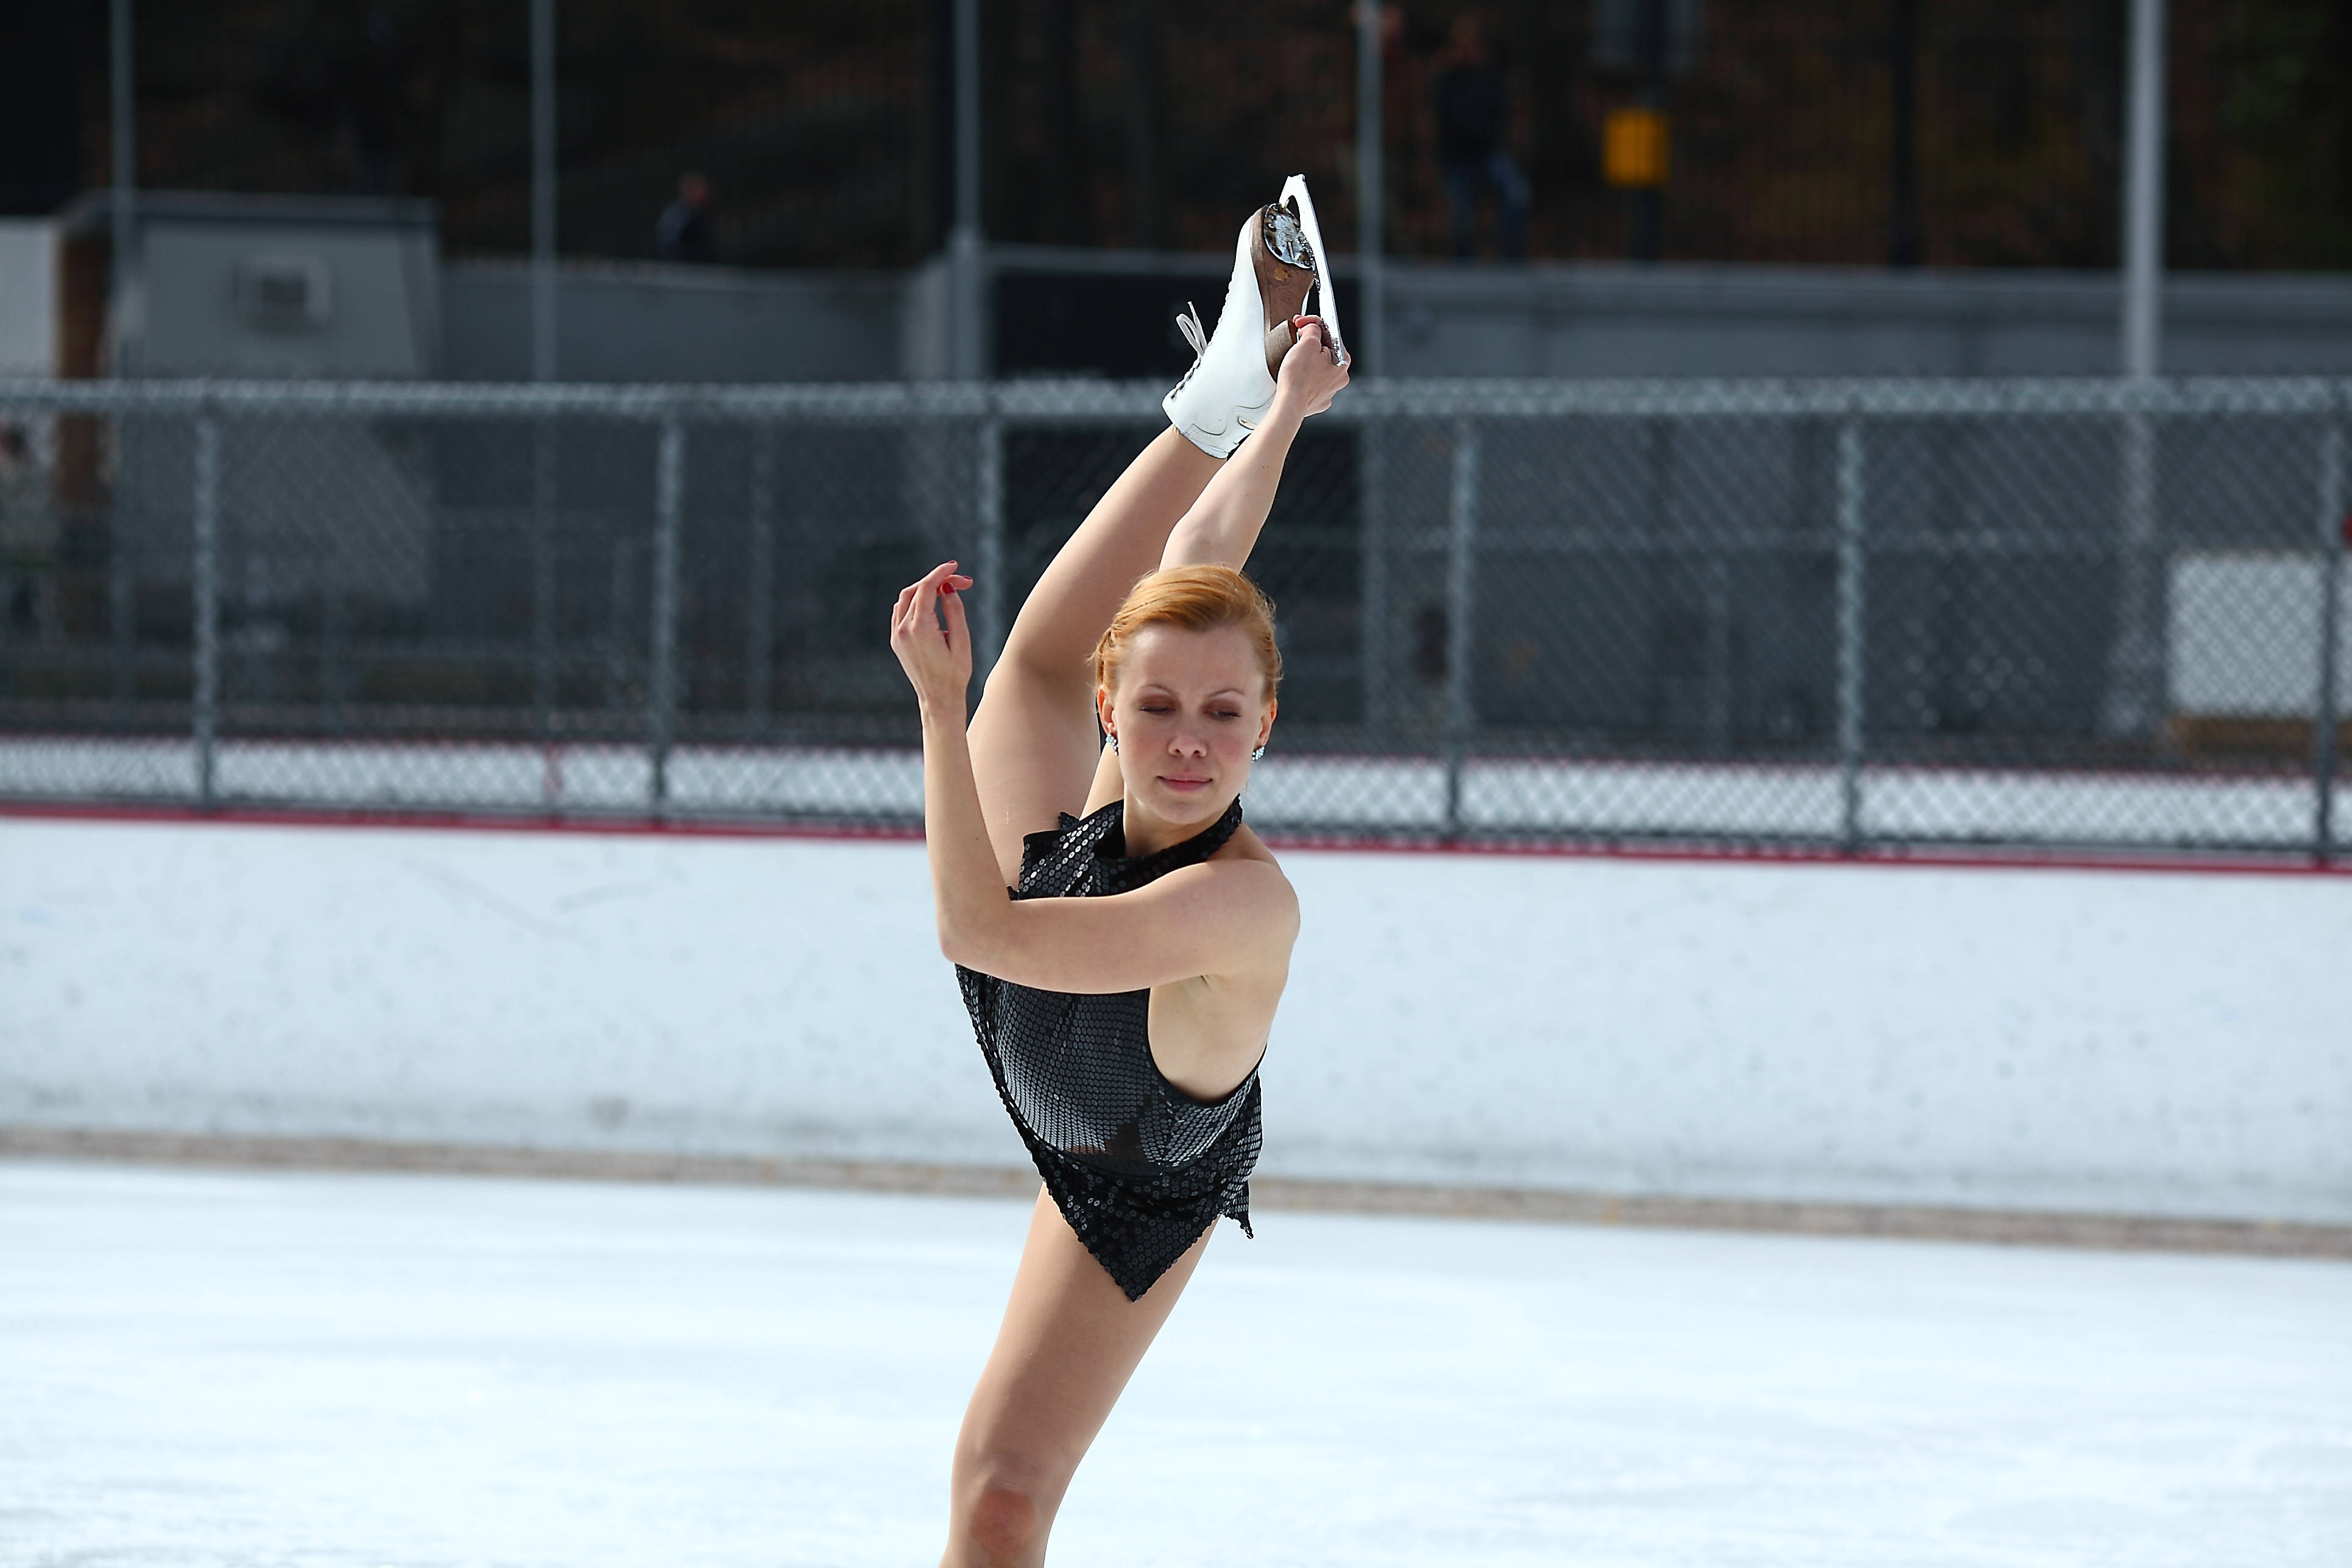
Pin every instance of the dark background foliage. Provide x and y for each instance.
(1125, 122)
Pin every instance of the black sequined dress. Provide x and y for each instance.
(1139, 1168)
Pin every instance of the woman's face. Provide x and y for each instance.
(1189, 708)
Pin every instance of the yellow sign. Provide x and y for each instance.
(1634, 148)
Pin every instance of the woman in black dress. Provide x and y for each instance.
(1122, 939)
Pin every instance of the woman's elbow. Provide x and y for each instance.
(959, 943)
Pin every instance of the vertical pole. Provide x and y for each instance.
(1647, 201)
(1142, 127)
(968, 338)
(988, 503)
(543, 190)
(2134, 662)
(760, 619)
(543, 449)
(1372, 295)
(1372, 359)
(1903, 244)
(1461, 565)
(2329, 712)
(122, 88)
(661, 688)
(205, 570)
(122, 592)
(1375, 617)
(2135, 659)
(544, 434)
(2143, 323)
(121, 586)
(1850, 639)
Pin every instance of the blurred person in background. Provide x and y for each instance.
(1473, 114)
(682, 233)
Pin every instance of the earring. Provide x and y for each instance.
(1257, 754)
(1114, 739)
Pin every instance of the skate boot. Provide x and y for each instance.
(1277, 265)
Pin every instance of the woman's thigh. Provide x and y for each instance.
(1034, 746)
(1070, 1341)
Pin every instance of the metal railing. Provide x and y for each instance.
(1867, 614)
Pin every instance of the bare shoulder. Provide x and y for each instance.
(1247, 854)
(1245, 845)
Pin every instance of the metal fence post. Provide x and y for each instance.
(1850, 639)
(1374, 616)
(987, 570)
(2326, 711)
(2135, 696)
(126, 535)
(204, 569)
(661, 693)
(760, 619)
(1460, 562)
(543, 449)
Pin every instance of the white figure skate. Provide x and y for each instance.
(1279, 262)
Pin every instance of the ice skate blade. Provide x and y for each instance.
(1301, 205)
(1287, 274)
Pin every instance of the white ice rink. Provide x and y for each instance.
(206, 1368)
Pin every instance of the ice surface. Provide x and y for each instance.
(201, 1368)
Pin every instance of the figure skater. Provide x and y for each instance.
(1121, 939)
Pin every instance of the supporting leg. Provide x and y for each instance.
(1071, 1340)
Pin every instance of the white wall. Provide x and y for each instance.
(28, 297)
(2116, 1041)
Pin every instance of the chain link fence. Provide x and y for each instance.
(1868, 616)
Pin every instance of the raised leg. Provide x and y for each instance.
(1034, 741)
(1071, 1340)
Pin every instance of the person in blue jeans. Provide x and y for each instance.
(1473, 117)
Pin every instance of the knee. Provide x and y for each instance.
(1005, 1501)
(1004, 1523)
(1006, 1504)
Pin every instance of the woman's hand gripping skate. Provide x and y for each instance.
(929, 633)
(1311, 374)
(1222, 525)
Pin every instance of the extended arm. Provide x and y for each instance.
(1223, 524)
(1204, 920)
(1211, 920)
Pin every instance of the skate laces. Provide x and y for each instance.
(1188, 321)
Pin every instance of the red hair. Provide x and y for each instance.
(1198, 599)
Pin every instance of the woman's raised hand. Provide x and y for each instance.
(1309, 374)
(929, 634)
